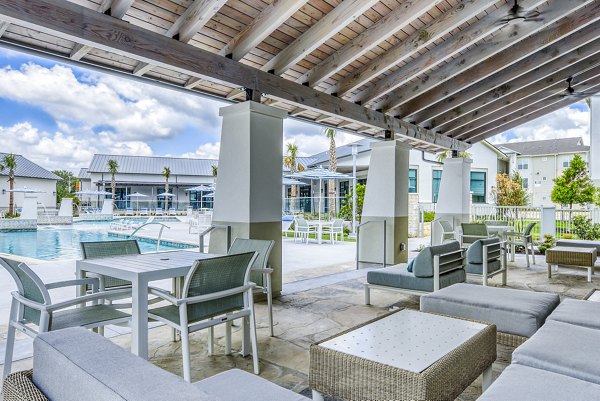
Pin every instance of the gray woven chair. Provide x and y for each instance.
(260, 273)
(472, 232)
(32, 305)
(525, 239)
(215, 291)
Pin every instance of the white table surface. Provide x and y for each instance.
(408, 340)
(499, 230)
(140, 270)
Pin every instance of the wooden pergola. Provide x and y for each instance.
(438, 74)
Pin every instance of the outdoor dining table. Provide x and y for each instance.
(140, 270)
(500, 231)
(319, 224)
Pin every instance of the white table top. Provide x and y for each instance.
(409, 339)
(320, 222)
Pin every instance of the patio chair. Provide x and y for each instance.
(159, 211)
(302, 229)
(129, 211)
(434, 268)
(487, 258)
(32, 305)
(337, 229)
(144, 211)
(215, 291)
(448, 233)
(261, 272)
(472, 232)
(525, 239)
(172, 211)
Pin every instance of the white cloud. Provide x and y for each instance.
(573, 121)
(205, 151)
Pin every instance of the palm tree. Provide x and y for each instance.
(215, 170)
(113, 168)
(330, 133)
(166, 173)
(291, 161)
(9, 162)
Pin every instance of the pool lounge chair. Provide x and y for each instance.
(144, 211)
(172, 211)
(159, 211)
(129, 211)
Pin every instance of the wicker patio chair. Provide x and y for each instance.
(525, 239)
(260, 273)
(216, 290)
(32, 306)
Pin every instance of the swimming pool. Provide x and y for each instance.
(55, 243)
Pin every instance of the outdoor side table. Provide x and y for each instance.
(406, 355)
(572, 257)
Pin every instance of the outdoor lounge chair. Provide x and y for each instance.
(215, 291)
(32, 305)
(472, 232)
(435, 267)
(172, 211)
(261, 272)
(129, 211)
(525, 239)
(487, 258)
(144, 211)
(159, 211)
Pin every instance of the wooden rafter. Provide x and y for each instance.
(551, 59)
(346, 12)
(387, 26)
(3, 27)
(73, 22)
(439, 27)
(559, 17)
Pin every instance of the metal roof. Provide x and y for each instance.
(153, 165)
(27, 168)
(547, 147)
(341, 151)
(84, 174)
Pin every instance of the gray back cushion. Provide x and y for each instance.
(475, 251)
(423, 265)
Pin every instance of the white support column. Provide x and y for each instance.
(248, 191)
(548, 225)
(29, 211)
(595, 139)
(454, 198)
(386, 199)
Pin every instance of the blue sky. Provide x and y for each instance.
(59, 116)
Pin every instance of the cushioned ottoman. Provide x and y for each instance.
(517, 314)
(579, 243)
(575, 311)
(563, 348)
(524, 383)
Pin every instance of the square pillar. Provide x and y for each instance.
(454, 198)
(594, 158)
(386, 199)
(248, 189)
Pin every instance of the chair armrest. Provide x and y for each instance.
(27, 302)
(216, 295)
(87, 298)
(93, 281)
(261, 270)
(163, 294)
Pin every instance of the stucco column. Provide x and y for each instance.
(248, 189)
(454, 198)
(595, 139)
(386, 199)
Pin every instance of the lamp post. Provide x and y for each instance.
(354, 153)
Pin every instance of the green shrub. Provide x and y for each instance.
(567, 236)
(548, 243)
(428, 217)
(585, 229)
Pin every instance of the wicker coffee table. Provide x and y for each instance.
(406, 355)
(572, 257)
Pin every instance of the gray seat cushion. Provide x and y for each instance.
(397, 276)
(75, 364)
(563, 348)
(512, 311)
(475, 251)
(477, 268)
(237, 385)
(423, 264)
(523, 383)
(575, 311)
(579, 243)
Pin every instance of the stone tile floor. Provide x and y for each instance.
(323, 307)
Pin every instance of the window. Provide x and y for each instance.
(566, 164)
(344, 188)
(525, 183)
(436, 179)
(412, 181)
(523, 164)
(478, 187)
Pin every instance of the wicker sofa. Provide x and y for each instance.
(75, 364)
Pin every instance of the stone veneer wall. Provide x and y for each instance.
(18, 224)
(58, 220)
(413, 215)
(95, 216)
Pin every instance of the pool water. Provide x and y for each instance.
(55, 243)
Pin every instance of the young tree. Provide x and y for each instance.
(66, 185)
(574, 185)
(166, 173)
(330, 133)
(9, 162)
(346, 208)
(113, 168)
(509, 190)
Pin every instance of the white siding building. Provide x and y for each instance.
(540, 162)
(30, 175)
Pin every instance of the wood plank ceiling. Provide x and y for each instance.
(435, 73)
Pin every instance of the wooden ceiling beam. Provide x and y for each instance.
(557, 87)
(513, 92)
(559, 18)
(545, 62)
(529, 112)
(76, 23)
(389, 25)
(439, 27)
(334, 21)
(3, 27)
